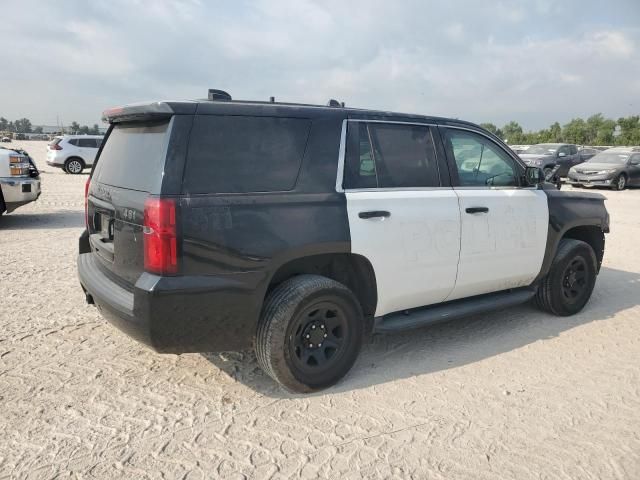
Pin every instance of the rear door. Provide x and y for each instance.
(634, 169)
(401, 217)
(88, 149)
(503, 226)
(129, 170)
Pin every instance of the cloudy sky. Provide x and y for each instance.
(533, 61)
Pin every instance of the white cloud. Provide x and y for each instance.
(484, 62)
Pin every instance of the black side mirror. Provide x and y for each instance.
(534, 176)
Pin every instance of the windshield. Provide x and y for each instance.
(610, 157)
(542, 149)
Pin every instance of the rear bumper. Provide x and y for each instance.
(18, 191)
(177, 314)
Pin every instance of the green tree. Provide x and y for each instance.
(37, 130)
(555, 133)
(512, 133)
(95, 130)
(576, 132)
(491, 128)
(4, 123)
(74, 127)
(23, 125)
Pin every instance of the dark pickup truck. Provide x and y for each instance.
(550, 155)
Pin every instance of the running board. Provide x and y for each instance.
(420, 317)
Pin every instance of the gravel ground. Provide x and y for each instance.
(513, 394)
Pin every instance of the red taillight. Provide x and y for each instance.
(160, 239)
(55, 147)
(86, 202)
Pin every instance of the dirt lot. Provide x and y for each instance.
(513, 394)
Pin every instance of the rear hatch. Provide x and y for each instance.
(129, 171)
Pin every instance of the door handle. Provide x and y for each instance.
(477, 210)
(375, 214)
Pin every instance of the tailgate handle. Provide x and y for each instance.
(477, 210)
(375, 214)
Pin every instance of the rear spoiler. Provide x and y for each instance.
(137, 112)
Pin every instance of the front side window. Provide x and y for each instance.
(564, 149)
(381, 155)
(479, 161)
(573, 149)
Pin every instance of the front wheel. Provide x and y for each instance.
(620, 183)
(567, 287)
(310, 333)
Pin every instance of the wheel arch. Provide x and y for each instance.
(352, 270)
(590, 234)
(3, 206)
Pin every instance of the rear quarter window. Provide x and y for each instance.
(241, 154)
(133, 157)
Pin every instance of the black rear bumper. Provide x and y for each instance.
(177, 314)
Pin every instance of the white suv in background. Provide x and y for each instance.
(73, 153)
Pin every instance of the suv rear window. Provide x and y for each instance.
(239, 154)
(133, 157)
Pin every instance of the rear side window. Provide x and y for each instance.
(87, 142)
(381, 155)
(73, 141)
(133, 157)
(239, 154)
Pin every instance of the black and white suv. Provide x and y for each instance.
(298, 230)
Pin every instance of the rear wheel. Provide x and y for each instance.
(74, 166)
(310, 333)
(620, 183)
(567, 287)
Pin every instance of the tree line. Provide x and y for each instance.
(24, 125)
(595, 130)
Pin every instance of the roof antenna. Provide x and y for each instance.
(218, 95)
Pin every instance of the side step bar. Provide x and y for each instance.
(421, 317)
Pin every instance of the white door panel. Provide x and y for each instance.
(504, 247)
(414, 252)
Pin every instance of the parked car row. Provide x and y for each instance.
(616, 168)
(583, 167)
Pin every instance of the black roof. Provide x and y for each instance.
(252, 107)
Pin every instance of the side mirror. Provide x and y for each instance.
(534, 176)
(562, 154)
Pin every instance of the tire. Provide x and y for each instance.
(567, 287)
(620, 183)
(314, 309)
(74, 166)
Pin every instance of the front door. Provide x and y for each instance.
(504, 226)
(401, 218)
